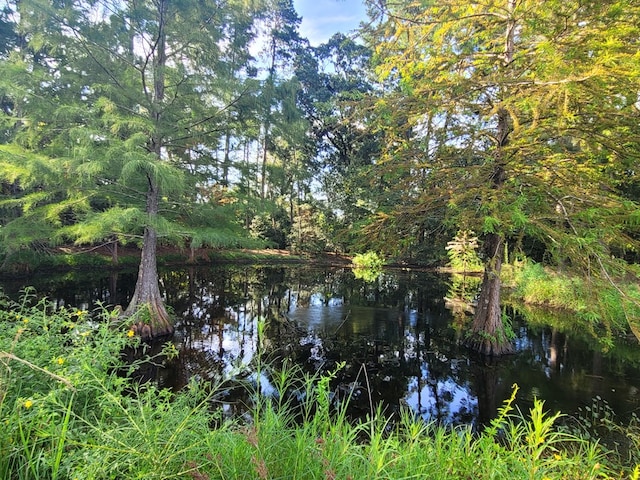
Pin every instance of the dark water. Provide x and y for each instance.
(399, 340)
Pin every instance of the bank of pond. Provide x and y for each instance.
(367, 379)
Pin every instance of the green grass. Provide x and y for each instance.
(68, 409)
(600, 306)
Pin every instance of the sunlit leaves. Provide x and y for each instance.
(559, 75)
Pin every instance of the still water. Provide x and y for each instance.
(399, 339)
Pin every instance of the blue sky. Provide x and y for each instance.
(322, 18)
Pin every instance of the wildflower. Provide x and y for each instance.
(25, 320)
(28, 404)
(130, 333)
(60, 360)
(557, 457)
(81, 313)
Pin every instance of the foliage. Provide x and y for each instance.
(273, 227)
(462, 252)
(367, 266)
(496, 138)
(602, 307)
(368, 260)
(336, 83)
(70, 409)
(307, 233)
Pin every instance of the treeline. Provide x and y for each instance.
(512, 117)
(146, 122)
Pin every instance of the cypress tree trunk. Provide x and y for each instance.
(488, 335)
(146, 309)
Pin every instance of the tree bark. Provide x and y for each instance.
(114, 252)
(488, 335)
(148, 315)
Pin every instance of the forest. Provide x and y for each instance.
(206, 124)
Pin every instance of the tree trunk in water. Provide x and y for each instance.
(147, 313)
(146, 310)
(488, 335)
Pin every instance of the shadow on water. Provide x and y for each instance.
(398, 337)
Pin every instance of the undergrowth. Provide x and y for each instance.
(70, 409)
(599, 305)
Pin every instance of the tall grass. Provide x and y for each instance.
(599, 305)
(69, 409)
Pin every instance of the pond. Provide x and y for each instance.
(399, 339)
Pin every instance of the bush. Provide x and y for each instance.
(369, 260)
(462, 252)
(367, 266)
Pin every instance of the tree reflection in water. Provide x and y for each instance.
(400, 344)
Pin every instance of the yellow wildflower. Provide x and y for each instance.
(60, 361)
(130, 333)
(28, 404)
(25, 320)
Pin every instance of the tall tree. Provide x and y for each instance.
(128, 95)
(336, 89)
(281, 40)
(507, 115)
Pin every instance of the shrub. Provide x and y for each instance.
(367, 266)
(462, 252)
(369, 260)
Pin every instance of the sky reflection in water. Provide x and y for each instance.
(400, 343)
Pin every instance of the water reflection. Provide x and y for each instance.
(399, 341)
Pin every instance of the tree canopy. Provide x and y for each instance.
(217, 124)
